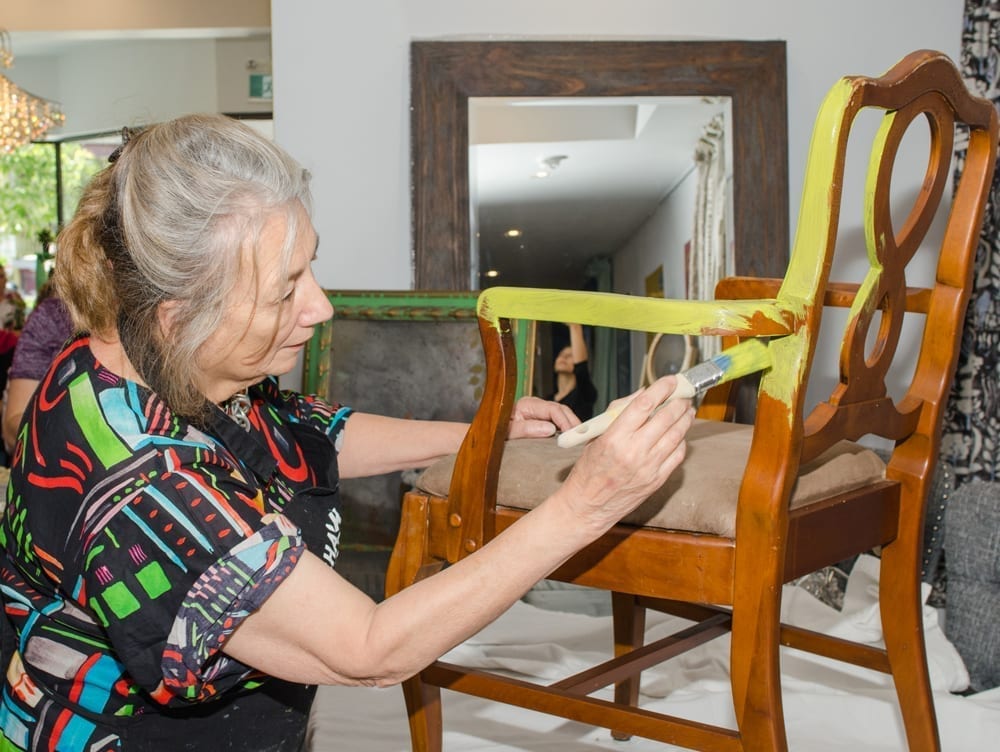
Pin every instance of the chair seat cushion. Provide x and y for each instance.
(700, 496)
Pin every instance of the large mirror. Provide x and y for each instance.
(453, 80)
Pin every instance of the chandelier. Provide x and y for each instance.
(23, 116)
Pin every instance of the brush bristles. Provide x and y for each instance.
(746, 357)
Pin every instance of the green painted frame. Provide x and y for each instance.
(397, 305)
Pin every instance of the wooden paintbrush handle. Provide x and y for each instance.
(591, 429)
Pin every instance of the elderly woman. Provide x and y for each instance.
(169, 548)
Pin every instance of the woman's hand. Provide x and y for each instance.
(535, 418)
(620, 469)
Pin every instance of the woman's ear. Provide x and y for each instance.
(166, 313)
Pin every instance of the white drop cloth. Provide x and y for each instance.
(829, 707)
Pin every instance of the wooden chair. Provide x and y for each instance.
(807, 496)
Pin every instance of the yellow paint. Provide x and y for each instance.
(815, 231)
(625, 311)
(747, 357)
(816, 210)
(787, 362)
(867, 299)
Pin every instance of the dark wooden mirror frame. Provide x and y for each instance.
(444, 74)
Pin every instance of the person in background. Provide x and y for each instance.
(12, 305)
(12, 308)
(573, 385)
(46, 330)
(168, 555)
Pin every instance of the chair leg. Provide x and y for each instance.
(423, 709)
(756, 668)
(410, 562)
(629, 626)
(903, 631)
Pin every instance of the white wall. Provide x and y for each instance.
(659, 241)
(342, 87)
(235, 60)
(104, 86)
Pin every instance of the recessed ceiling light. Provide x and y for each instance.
(553, 162)
(492, 273)
(513, 233)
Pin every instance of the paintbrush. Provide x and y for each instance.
(739, 360)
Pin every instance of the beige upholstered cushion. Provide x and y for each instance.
(701, 496)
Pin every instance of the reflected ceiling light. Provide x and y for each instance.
(548, 165)
(513, 232)
(492, 273)
(23, 116)
(553, 162)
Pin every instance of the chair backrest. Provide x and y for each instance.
(923, 85)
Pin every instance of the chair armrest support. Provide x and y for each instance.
(473, 492)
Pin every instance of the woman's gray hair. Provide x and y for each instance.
(170, 218)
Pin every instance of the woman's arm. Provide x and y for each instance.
(19, 391)
(45, 331)
(375, 444)
(577, 344)
(338, 635)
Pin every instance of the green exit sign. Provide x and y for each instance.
(260, 86)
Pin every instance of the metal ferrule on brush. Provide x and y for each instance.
(704, 375)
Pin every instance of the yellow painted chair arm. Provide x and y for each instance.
(764, 317)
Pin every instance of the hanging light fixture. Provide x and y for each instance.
(23, 116)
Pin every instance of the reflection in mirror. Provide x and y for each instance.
(445, 76)
(560, 187)
(563, 191)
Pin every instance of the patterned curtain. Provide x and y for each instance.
(709, 262)
(972, 418)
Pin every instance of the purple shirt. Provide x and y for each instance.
(45, 332)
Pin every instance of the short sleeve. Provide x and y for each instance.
(194, 666)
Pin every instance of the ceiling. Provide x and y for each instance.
(611, 162)
(26, 43)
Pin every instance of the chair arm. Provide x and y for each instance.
(743, 318)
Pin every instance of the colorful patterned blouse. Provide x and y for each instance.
(134, 543)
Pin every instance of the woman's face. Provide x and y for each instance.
(266, 328)
(564, 361)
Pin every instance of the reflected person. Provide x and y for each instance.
(574, 387)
